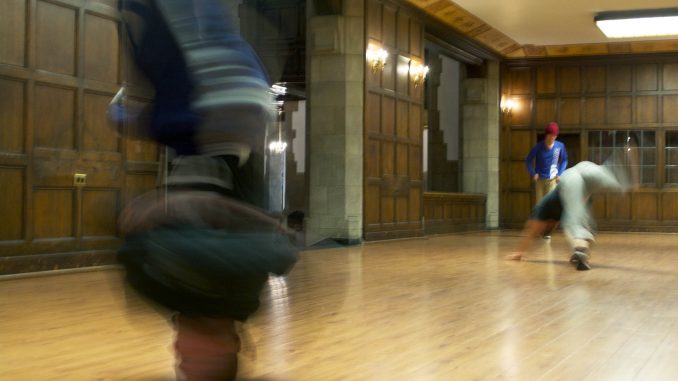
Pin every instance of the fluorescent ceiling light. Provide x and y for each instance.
(643, 23)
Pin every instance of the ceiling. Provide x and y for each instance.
(538, 28)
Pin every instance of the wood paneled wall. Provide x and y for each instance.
(393, 126)
(61, 62)
(604, 93)
(453, 212)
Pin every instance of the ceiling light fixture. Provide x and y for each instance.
(639, 23)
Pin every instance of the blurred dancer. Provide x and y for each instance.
(204, 250)
(569, 203)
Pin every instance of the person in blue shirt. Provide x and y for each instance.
(546, 162)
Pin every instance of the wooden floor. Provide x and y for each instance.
(441, 308)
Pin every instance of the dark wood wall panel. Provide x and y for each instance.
(645, 206)
(595, 79)
(619, 78)
(372, 198)
(12, 203)
(415, 122)
(646, 109)
(618, 207)
(403, 32)
(416, 39)
(393, 126)
(54, 116)
(12, 44)
(594, 110)
(49, 204)
(523, 115)
(61, 62)
(670, 109)
(97, 129)
(618, 110)
(56, 38)
(101, 49)
(518, 182)
(669, 206)
(545, 110)
(569, 79)
(646, 77)
(599, 93)
(12, 113)
(402, 119)
(670, 76)
(570, 111)
(388, 116)
(520, 145)
(388, 19)
(373, 17)
(546, 80)
(100, 210)
(415, 163)
(520, 81)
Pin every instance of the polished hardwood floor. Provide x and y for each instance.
(439, 308)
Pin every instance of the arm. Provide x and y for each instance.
(563, 161)
(529, 161)
(534, 228)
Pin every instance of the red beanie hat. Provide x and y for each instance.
(552, 128)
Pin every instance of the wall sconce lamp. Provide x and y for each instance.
(376, 57)
(418, 72)
(277, 146)
(507, 105)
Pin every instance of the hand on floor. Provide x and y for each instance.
(515, 256)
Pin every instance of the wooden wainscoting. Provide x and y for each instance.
(61, 62)
(453, 212)
(642, 210)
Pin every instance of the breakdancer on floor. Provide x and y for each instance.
(569, 204)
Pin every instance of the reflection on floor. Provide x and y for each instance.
(439, 308)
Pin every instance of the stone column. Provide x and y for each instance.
(480, 125)
(335, 84)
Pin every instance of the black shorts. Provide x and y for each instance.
(549, 208)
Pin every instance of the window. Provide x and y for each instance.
(671, 166)
(609, 145)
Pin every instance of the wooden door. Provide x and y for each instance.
(61, 62)
(393, 127)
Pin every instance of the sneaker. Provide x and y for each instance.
(546, 237)
(581, 260)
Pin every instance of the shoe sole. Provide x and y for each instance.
(581, 261)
